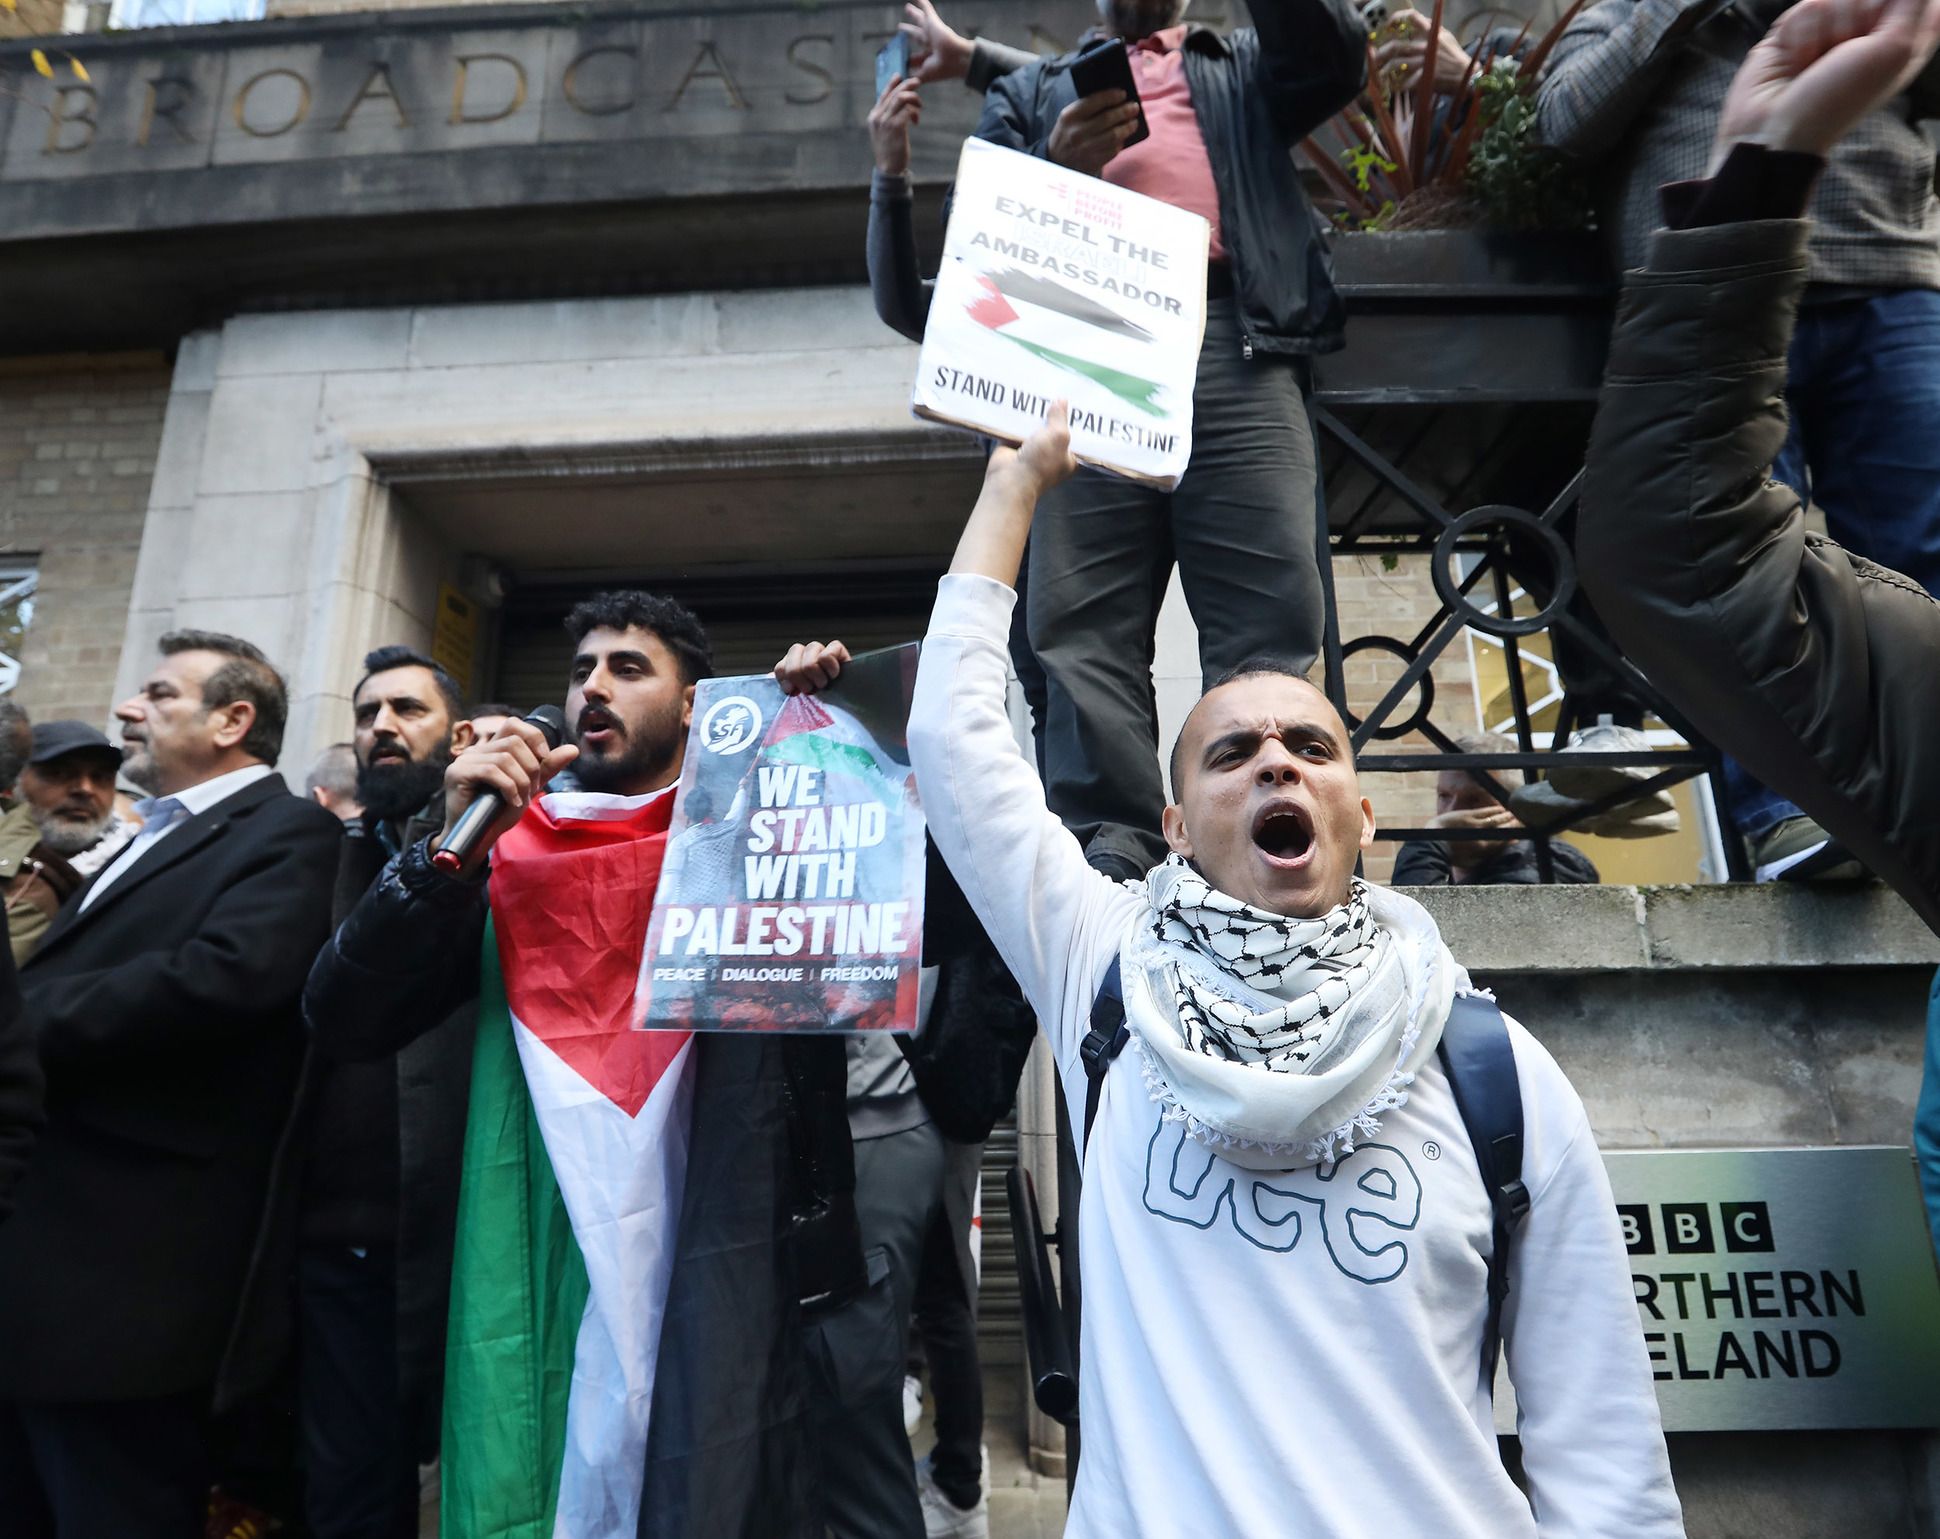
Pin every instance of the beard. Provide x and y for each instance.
(66, 836)
(398, 788)
(647, 751)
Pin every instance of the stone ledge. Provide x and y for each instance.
(1613, 929)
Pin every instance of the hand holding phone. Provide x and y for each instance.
(892, 61)
(1107, 66)
(1106, 116)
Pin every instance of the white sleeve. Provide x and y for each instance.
(1056, 922)
(1592, 1440)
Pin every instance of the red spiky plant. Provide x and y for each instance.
(1390, 154)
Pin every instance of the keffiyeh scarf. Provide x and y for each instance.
(1289, 1037)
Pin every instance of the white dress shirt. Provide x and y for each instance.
(161, 815)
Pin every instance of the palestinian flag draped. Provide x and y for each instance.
(1059, 285)
(575, 1158)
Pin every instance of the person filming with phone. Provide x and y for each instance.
(1204, 122)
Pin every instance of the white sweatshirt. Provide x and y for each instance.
(1293, 1355)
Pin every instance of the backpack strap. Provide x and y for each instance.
(1104, 1042)
(1476, 1053)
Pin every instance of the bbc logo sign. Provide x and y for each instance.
(1694, 1228)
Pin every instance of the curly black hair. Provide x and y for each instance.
(673, 622)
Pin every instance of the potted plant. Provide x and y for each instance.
(1415, 155)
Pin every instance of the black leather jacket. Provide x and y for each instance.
(1257, 94)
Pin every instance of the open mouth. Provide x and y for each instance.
(389, 756)
(1283, 833)
(597, 727)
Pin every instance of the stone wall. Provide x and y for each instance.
(78, 442)
(31, 18)
(1732, 1017)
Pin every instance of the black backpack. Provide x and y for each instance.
(1479, 1060)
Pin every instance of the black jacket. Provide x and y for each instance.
(1809, 665)
(1256, 94)
(1425, 863)
(20, 1085)
(767, 1217)
(423, 1091)
(166, 1017)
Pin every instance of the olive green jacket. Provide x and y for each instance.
(1817, 670)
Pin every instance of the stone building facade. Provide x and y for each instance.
(314, 327)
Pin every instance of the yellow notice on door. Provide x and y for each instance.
(454, 639)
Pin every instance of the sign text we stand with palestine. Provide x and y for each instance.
(792, 894)
(1058, 285)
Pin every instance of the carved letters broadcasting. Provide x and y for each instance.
(473, 88)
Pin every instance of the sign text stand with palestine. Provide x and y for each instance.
(792, 896)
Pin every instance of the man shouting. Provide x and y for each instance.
(1285, 1237)
(641, 1214)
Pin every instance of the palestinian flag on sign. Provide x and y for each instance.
(575, 1160)
(994, 308)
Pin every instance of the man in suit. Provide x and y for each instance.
(164, 1005)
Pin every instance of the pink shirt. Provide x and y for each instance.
(1172, 164)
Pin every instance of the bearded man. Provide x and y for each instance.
(1285, 1236)
(63, 828)
(69, 781)
(376, 1182)
(643, 1215)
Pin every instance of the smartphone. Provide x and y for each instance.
(1107, 66)
(892, 59)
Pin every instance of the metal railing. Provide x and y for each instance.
(1504, 551)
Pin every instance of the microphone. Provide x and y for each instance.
(476, 818)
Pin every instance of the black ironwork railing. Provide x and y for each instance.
(1503, 550)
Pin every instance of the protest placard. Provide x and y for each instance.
(1058, 285)
(792, 894)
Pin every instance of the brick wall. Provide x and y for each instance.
(78, 439)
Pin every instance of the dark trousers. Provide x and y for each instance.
(1240, 524)
(127, 1469)
(361, 1473)
(868, 1471)
(946, 1318)
(1862, 386)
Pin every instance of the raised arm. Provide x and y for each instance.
(1792, 654)
(1021, 869)
(403, 959)
(1606, 66)
(937, 51)
(1053, 919)
(408, 953)
(895, 279)
(1312, 60)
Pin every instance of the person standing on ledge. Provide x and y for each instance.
(1224, 114)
